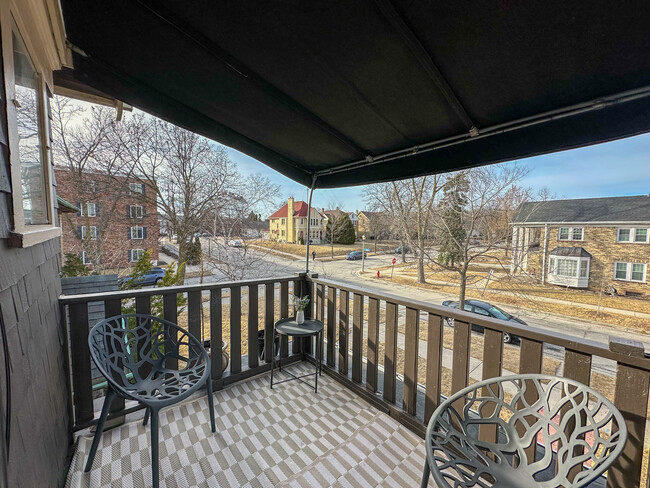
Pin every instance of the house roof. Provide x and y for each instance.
(576, 252)
(586, 210)
(65, 206)
(336, 213)
(372, 90)
(299, 210)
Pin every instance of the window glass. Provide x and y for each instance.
(583, 268)
(85, 257)
(624, 235)
(567, 267)
(637, 272)
(577, 234)
(499, 314)
(552, 266)
(32, 176)
(136, 232)
(564, 234)
(641, 235)
(93, 232)
(620, 271)
(481, 311)
(91, 210)
(136, 188)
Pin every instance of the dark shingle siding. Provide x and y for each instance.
(610, 209)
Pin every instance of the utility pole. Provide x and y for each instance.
(363, 253)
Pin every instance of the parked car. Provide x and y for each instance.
(151, 278)
(407, 250)
(355, 255)
(487, 310)
(235, 243)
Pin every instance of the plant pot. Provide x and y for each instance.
(225, 357)
(300, 317)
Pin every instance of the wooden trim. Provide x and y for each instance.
(373, 345)
(269, 321)
(284, 313)
(357, 337)
(411, 346)
(216, 333)
(434, 365)
(235, 329)
(344, 327)
(390, 352)
(253, 326)
(331, 326)
(80, 354)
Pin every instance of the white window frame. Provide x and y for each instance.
(137, 252)
(84, 258)
(134, 232)
(135, 207)
(93, 232)
(88, 212)
(628, 271)
(571, 231)
(41, 52)
(136, 188)
(632, 239)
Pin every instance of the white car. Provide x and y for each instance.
(235, 243)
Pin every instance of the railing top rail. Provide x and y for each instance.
(147, 292)
(577, 344)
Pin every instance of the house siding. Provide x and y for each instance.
(41, 436)
(600, 242)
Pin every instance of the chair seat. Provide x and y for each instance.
(166, 384)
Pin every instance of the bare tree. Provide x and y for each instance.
(469, 218)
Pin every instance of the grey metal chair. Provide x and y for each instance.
(149, 360)
(523, 431)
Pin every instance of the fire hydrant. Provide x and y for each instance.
(377, 274)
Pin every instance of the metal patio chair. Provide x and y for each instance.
(149, 360)
(523, 431)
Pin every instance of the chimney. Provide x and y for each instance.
(291, 232)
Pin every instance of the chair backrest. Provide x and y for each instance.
(524, 430)
(130, 349)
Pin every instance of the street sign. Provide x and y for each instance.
(394, 260)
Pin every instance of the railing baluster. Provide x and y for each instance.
(411, 343)
(492, 366)
(216, 333)
(269, 321)
(631, 398)
(577, 366)
(194, 322)
(235, 329)
(344, 306)
(461, 356)
(297, 292)
(284, 313)
(357, 334)
(253, 326)
(143, 305)
(81, 377)
(390, 352)
(320, 293)
(331, 326)
(170, 313)
(373, 344)
(113, 307)
(531, 353)
(434, 365)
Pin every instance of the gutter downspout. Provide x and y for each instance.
(311, 193)
(544, 249)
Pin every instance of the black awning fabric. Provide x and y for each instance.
(374, 90)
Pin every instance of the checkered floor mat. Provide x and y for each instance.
(287, 436)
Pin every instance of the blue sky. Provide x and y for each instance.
(612, 169)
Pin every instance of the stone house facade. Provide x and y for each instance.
(283, 228)
(116, 223)
(596, 243)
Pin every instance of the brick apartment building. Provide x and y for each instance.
(116, 223)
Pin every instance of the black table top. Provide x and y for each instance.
(291, 327)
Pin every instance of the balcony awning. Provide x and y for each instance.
(362, 91)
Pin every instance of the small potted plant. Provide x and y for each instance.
(300, 305)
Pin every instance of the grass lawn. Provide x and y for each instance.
(324, 250)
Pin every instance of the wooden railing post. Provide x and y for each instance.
(411, 343)
(216, 335)
(631, 398)
(80, 354)
(253, 327)
(357, 335)
(390, 353)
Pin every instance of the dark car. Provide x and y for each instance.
(487, 310)
(407, 250)
(151, 278)
(355, 255)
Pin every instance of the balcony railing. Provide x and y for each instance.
(392, 351)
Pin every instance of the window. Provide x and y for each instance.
(28, 125)
(93, 232)
(282, 233)
(135, 211)
(584, 267)
(85, 258)
(632, 234)
(137, 232)
(570, 234)
(624, 235)
(90, 186)
(92, 209)
(640, 235)
(566, 267)
(282, 222)
(630, 271)
(136, 189)
(551, 266)
(134, 254)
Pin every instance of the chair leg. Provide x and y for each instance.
(146, 416)
(425, 474)
(211, 403)
(155, 471)
(110, 394)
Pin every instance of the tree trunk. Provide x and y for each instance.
(463, 286)
(403, 251)
(421, 277)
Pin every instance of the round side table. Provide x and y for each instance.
(290, 328)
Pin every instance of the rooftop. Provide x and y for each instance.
(586, 210)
